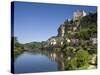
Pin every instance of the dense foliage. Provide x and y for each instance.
(80, 55)
(79, 61)
(18, 48)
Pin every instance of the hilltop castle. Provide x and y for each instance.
(74, 26)
(63, 30)
(78, 15)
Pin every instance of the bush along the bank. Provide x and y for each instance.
(18, 48)
(79, 61)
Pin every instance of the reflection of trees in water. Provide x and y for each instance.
(17, 54)
(55, 56)
(52, 55)
(58, 57)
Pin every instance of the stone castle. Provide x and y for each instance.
(64, 30)
(78, 15)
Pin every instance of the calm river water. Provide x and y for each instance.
(30, 62)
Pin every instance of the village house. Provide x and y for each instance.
(93, 38)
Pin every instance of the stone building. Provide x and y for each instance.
(55, 41)
(78, 15)
(52, 41)
(93, 38)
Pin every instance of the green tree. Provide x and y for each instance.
(82, 58)
(79, 61)
(71, 64)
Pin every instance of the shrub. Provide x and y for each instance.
(71, 64)
(81, 59)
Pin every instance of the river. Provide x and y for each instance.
(38, 61)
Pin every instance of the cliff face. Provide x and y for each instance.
(72, 25)
(64, 29)
(61, 31)
(67, 31)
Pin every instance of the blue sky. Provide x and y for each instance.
(39, 21)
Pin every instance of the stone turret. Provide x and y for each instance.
(78, 15)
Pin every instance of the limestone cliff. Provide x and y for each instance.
(71, 26)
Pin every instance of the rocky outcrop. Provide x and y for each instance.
(61, 31)
(64, 29)
(71, 26)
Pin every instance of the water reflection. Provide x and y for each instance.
(39, 61)
(58, 57)
(55, 56)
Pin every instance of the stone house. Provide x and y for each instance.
(93, 38)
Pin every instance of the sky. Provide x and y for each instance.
(40, 21)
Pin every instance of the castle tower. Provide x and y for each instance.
(84, 13)
(78, 15)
